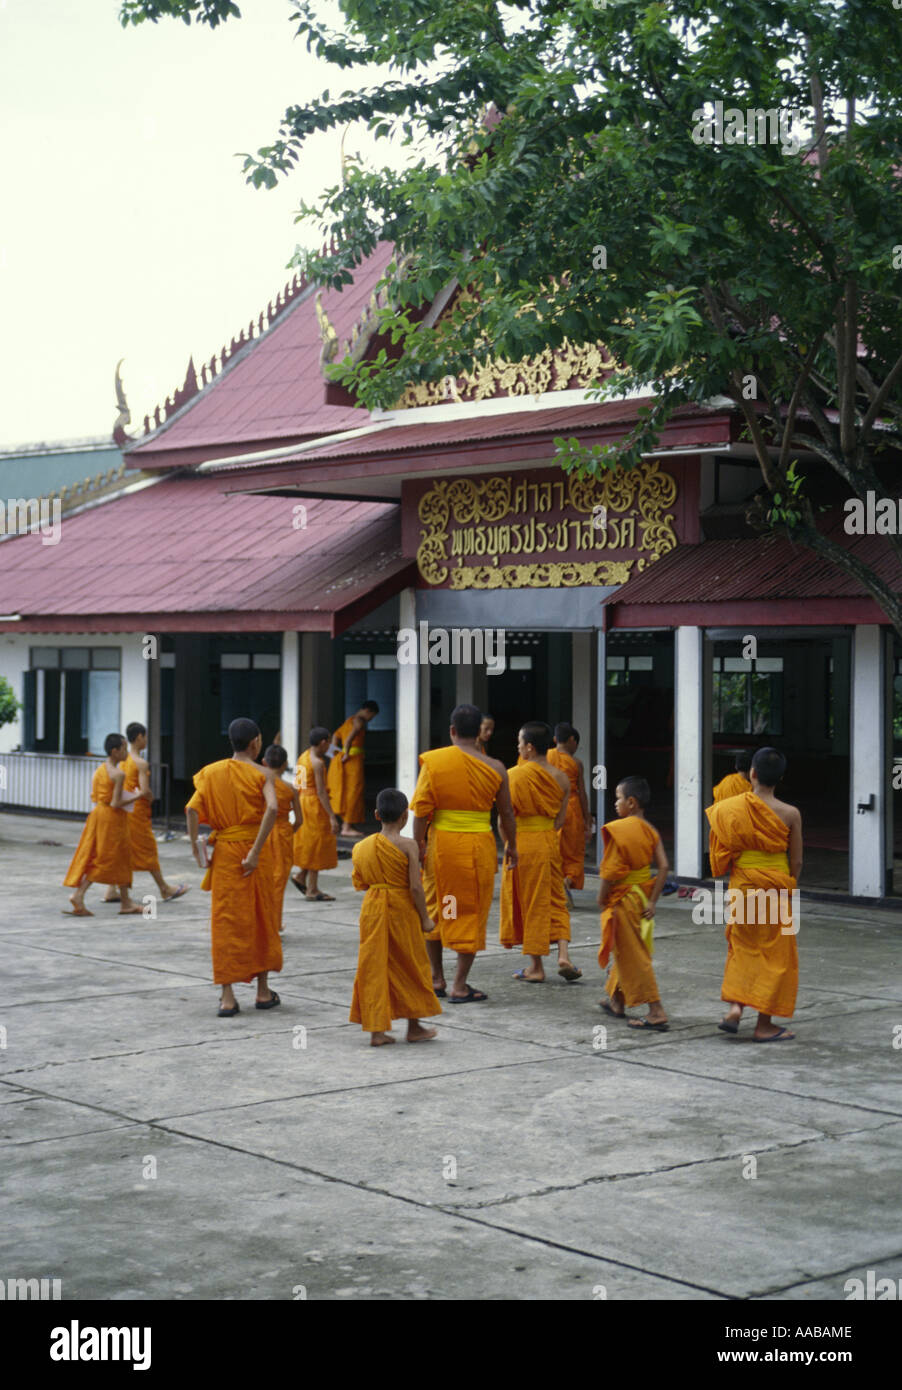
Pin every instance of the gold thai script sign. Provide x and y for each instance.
(545, 530)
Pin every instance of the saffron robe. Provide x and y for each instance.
(459, 873)
(315, 846)
(393, 978)
(244, 912)
(537, 882)
(103, 851)
(572, 834)
(344, 781)
(762, 969)
(734, 784)
(629, 845)
(141, 840)
(282, 836)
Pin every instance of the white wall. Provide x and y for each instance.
(14, 662)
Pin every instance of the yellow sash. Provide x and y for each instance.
(760, 859)
(469, 822)
(355, 751)
(535, 822)
(637, 877)
(230, 833)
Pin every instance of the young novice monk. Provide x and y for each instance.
(758, 840)
(103, 855)
(576, 830)
(314, 839)
(393, 978)
(346, 775)
(533, 902)
(735, 783)
(276, 759)
(629, 891)
(142, 845)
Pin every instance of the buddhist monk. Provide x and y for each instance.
(486, 729)
(237, 799)
(346, 779)
(737, 782)
(758, 841)
(314, 840)
(533, 903)
(456, 790)
(393, 977)
(576, 831)
(276, 760)
(103, 854)
(142, 845)
(627, 897)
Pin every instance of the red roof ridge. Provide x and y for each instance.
(293, 291)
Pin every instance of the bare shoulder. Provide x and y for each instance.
(495, 764)
(560, 777)
(790, 815)
(410, 847)
(140, 763)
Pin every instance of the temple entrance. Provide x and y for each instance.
(639, 719)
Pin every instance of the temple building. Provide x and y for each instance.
(271, 538)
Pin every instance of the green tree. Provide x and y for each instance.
(9, 705)
(760, 264)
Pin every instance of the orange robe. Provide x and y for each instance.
(393, 978)
(245, 913)
(344, 781)
(315, 847)
(762, 970)
(103, 851)
(282, 836)
(141, 840)
(572, 834)
(459, 876)
(538, 878)
(734, 784)
(629, 845)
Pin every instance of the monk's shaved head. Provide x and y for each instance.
(538, 734)
(112, 741)
(563, 732)
(769, 765)
(133, 731)
(390, 805)
(466, 721)
(637, 787)
(317, 734)
(275, 756)
(242, 733)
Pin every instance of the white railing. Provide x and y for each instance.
(47, 781)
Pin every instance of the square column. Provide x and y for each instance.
(289, 705)
(408, 716)
(869, 769)
(692, 743)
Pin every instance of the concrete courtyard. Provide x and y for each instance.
(535, 1150)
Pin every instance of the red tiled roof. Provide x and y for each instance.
(767, 568)
(274, 388)
(184, 555)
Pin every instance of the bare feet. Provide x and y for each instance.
(78, 909)
(381, 1039)
(417, 1033)
(348, 832)
(130, 909)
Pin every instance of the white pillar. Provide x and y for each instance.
(690, 840)
(868, 766)
(408, 719)
(289, 710)
(134, 685)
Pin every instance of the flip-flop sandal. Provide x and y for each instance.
(228, 1013)
(522, 975)
(130, 912)
(179, 893)
(268, 1003)
(784, 1035)
(73, 912)
(319, 898)
(642, 1025)
(472, 996)
(440, 993)
(726, 1025)
(301, 887)
(606, 1009)
(570, 972)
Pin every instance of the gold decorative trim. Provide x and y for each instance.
(485, 502)
(531, 376)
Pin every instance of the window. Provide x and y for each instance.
(630, 670)
(72, 697)
(748, 695)
(250, 688)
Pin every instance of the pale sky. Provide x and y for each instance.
(126, 227)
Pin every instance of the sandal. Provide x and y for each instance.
(268, 1003)
(319, 898)
(472, 996)
(228, 1013)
